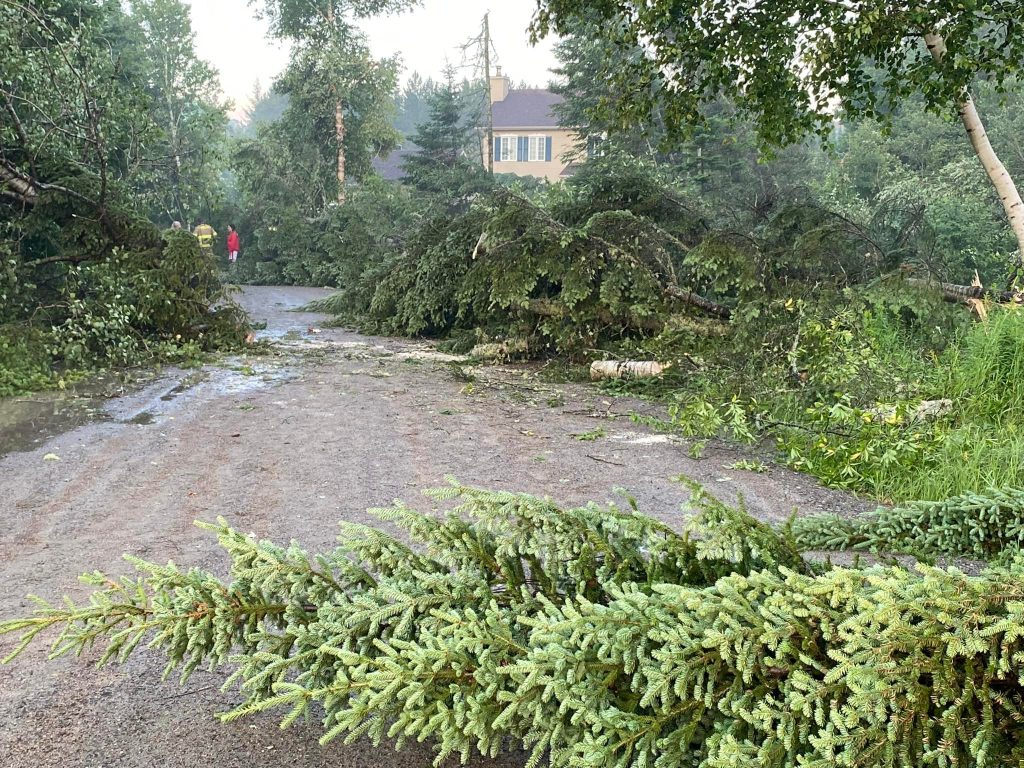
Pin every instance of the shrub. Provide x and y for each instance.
(25, 362)
(126, 308)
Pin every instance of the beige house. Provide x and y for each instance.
(528, 141)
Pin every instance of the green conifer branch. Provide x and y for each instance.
(592, 636)
(973, 525)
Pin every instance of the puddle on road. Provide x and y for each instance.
(29, 421)
(190, 381)
(141, 398)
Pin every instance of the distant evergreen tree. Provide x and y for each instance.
(447, 162)
(412, 104)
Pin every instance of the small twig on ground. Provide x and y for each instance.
(605, 461)
(190, 693)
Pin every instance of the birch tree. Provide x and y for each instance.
(181, 176)
(796, 66)
(330, 27)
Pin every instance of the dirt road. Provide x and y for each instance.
(285, 445)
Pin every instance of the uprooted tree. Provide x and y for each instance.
(790, 64)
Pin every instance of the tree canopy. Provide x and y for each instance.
(794, 67)
(791, 63)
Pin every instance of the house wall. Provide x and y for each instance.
(562, 142)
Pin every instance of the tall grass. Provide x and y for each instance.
(986, 370)
(855, 427)
(982, 444)
(970, 458)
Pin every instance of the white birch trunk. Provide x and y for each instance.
(997, 173)
(339, 131)
(339, 117)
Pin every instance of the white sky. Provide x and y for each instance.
(229, 36)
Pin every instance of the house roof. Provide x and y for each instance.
(527, 108)
(390, 168)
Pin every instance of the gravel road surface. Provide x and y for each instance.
(285, 445)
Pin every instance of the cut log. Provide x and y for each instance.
(627, 369)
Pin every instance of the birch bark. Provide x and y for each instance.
(1009, 195)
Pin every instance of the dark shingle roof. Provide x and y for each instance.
(390, 168)
(527, 108)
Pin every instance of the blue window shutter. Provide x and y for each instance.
(547, 151)
(497, 148)
(524, 149)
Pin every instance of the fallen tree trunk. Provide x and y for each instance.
(694, 300)
(627, 369)
(553, 308)
(959, 294)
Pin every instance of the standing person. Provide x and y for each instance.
(176, 226)
(233, 244)
(205, 234)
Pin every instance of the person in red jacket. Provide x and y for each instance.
(233, 244)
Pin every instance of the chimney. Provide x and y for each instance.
(500, 86)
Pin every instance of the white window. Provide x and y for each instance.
(508, 147)
(538, 149)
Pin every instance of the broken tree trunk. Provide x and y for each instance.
(705, 305)
(339, 132)
(15, 185)
(961, 294)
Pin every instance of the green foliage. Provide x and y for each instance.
(978, 525)
(25, 362)
(108, 116)
(566, 269)
(126, 309)
(446, 163)
(985, 370)
(790, 63)
(181, 180)
(591, 636)
(860, 449)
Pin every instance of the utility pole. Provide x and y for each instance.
(490, 103)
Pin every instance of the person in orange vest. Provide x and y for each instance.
(205, 234)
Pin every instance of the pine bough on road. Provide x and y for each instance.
(593, 636)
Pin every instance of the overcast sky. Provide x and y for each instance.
(230, 37)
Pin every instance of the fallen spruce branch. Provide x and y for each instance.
(593, 636)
